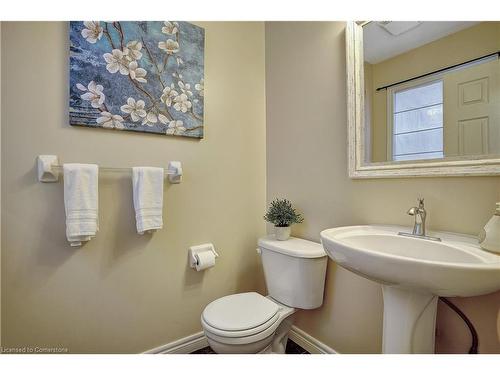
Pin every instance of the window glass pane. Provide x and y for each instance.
(413, 143)
(418, 119)
(430, 155)
(417, 131)
(418, 97)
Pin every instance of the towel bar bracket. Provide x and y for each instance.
(46, 172)
(48, 169)
(174, 171)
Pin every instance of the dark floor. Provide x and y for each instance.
(291, 348)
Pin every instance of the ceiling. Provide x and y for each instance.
(380, 45)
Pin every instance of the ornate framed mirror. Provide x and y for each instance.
(423, 98)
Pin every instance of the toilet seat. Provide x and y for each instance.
(239, 315)
(243, 318)
(239, 312)
(241, 333)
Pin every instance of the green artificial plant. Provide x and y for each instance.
(282, 214)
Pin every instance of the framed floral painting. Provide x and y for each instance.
(137, 76)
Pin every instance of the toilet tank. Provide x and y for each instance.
(295, 271)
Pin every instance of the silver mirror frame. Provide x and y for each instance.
(357, 132)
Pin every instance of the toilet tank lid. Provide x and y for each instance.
(295, 247)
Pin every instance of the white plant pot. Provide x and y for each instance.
(282, 233)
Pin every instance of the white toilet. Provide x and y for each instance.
(251, 323)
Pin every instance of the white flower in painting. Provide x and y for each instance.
(200, 87)
(175, 127)
(150, 119)
(93, 93)
(116, 62)
(92, 31)
(81, 87)
(134, 108)
(169, 94)
(182, 103)
(170, 46)
(163, 119)
(109, 121)
(170, 27)
(185, 88)
(137, 73)
(133, 50)
(179, 61)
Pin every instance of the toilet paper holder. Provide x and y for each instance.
(194, 250)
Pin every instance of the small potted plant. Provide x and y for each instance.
(282, 214)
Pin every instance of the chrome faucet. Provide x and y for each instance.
(419, 227)
(420, 214)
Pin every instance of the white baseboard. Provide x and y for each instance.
(198, 341)
(308, 342)
(185, 345)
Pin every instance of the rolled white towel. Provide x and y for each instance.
(147, 183)
(81, 202)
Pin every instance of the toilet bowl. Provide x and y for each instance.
(246, 323)
(251, 323)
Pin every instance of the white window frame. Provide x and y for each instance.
(390, 104)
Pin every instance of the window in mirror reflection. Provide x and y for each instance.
(417, 121)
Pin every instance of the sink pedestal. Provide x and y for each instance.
(409, 321)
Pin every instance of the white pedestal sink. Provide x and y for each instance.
(413, 273)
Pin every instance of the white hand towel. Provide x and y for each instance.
(81, 202)
(147, 184)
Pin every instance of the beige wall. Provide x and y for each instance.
(123, 292)
(473, 42)
(0, 183)
(307, 163)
